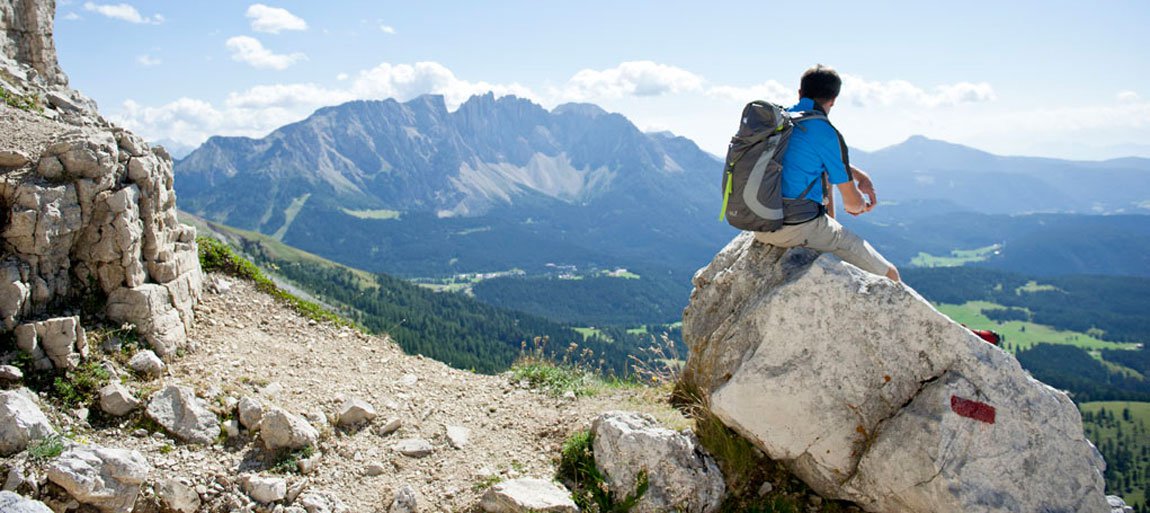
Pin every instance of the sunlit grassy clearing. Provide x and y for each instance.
(1023, 335)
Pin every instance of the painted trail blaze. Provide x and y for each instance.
(972, 409)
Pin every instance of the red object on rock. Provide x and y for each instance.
(972, 409)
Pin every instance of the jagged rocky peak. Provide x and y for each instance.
(869, 394)
(88, 211)
(27, 27)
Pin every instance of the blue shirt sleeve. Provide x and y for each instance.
(830, 151)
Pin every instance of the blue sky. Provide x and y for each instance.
(1054, 78)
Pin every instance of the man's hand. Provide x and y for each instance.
(866, 186)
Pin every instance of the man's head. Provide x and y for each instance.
(821, 84)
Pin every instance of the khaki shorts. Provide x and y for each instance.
(827, 235)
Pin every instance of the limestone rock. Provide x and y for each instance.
(12, 503)
(282, 430)
(27, 38)
(178, 496)
(528, 494)
(354, 412)
(405, 501)
(117, 400)
(21, 421)
(1117, 505)
(321, 502)
(414, 447)
(870, 395)
(149, 306)
(108, 479)
(681, 476)
(251, 411)
(266, 489)
(14, 158)
(147, 363)
(10, 374)
(186, 416)
(458, 436)
(61, 340)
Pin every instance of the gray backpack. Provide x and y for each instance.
(753, 177)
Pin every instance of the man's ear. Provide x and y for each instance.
(831, 103)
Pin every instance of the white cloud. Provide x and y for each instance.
(1128, 96)
(387, 29)
(123, 12)
(273, 20)
(148, 60)
(770, 90)
(249, 50)
(71, 16)
(864, 93)
(342, 76)
(633, 78)
(406, 81)
(256, 111)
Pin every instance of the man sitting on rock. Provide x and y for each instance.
(815, 148)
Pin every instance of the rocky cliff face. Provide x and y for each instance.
(87, 208)
(869, 394)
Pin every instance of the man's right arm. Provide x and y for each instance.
(853, 201)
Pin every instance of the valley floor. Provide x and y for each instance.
(247, 344)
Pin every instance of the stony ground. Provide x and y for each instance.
(247, 344)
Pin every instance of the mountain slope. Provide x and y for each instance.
(926, 169)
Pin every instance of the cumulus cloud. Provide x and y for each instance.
(770, 90)
(123, 12)
(865, 93)
(249, 50)
(406, 81)
(387, 29)
(633, 78)
(274, 20)
(148, 60)
(1128, 96)
(71, 16)
(258, 110)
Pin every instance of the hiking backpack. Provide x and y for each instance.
(753, 176)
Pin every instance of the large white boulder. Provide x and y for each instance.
(179, 411)
(681, 476)
(108, 479)
(21, 421)
(871, 395)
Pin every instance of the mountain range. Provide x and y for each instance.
(414, 189)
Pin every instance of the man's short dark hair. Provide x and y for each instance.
(820, 83)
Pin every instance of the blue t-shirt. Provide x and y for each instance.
(810, 153)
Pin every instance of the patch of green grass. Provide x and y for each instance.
(1033, 286)
(286, 461)
(553, 378)
(46, 448)
(589, 332)
(217, 256)
(372, 214)
(80, 386)
(1022, 335)
(483, 484)
(23, 102)
(588, 487)
(957, 258)
(290, 214)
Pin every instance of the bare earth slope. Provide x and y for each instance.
(246, 344)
